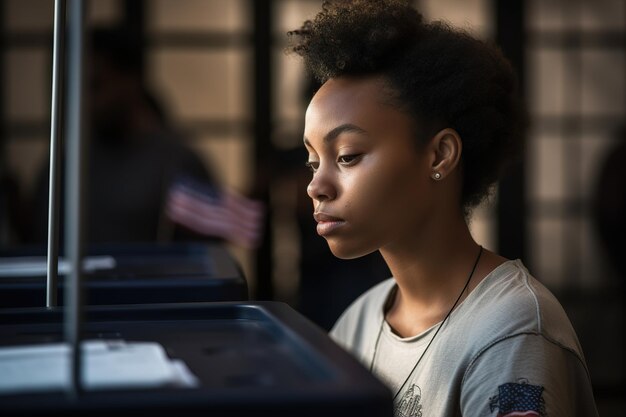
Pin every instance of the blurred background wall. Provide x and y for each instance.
(220, 72)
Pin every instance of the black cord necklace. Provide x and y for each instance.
(380, 330)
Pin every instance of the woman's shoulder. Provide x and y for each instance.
(511, 301)
(363, 316)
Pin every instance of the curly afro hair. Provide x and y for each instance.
(441, 76)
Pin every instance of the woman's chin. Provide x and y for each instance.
(346, 251)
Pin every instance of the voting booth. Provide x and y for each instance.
(72, 357)
(255, 359)
(129, 274)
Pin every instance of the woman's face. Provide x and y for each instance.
(370, 185)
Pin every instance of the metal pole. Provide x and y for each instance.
(262, 11)
(76, 152)
(54, 187)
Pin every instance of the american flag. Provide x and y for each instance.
(519, 400)
(216, 212)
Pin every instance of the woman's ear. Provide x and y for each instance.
(446, 147)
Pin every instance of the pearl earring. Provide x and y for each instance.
(437, 176)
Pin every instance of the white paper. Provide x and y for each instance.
(107, 364)
(32, 266)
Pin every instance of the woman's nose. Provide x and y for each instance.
(321, 187)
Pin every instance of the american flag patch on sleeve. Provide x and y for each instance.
(518, 400)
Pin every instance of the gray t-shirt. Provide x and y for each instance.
(507, 350)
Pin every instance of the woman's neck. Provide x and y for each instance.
(431, 270)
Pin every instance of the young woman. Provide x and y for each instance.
(412, 125)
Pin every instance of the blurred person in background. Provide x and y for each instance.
(144, 184)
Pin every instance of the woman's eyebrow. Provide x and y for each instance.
(330, 136)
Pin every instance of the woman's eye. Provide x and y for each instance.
(348, 160)
(312, 165)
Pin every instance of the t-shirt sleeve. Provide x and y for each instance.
(527, 375)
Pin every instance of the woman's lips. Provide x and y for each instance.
(327, 224)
